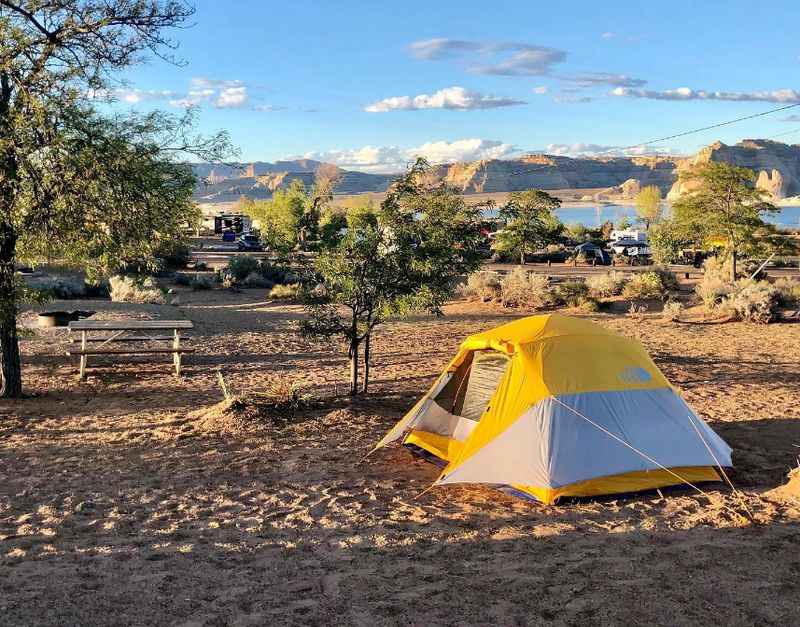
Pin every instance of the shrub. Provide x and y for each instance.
(183, 279)
(668, 278)
(276, 274)
(572, 293)
(59, 287)
(607, 284)
(126, 289)
(242, 265)
(716, 283)
(789, 292)
(484, 286)
(590, 305)
(644, 286)
(672, 310)
(175, 253)
(753, 301)
(201, 282)
(287, 292)
(254, 279)
(521, 288)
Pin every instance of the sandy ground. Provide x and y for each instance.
(118, 507)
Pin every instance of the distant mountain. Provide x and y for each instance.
(777, 165)
(259, 179)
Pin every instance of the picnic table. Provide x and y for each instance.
(136, 332)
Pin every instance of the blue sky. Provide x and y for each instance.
(368, 85)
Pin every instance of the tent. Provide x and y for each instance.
(552, 406)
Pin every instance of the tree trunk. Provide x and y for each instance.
(733, 265)
(10, 370)
(353, 353)
(522, 258)
(366, 364)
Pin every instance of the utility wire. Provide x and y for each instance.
(527, 171)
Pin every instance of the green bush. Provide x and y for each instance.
(126, 289)
(175, 253)
(572, 293)
(201, 282)
(286, 292)
(242, 265)
(753, 301)
(485, 286)
(606, 284)
(521, 288)
(183, 279)
(789, 292)
(716, 282)
(645, 286)
(254, 279)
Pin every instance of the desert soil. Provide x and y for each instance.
(120, 506)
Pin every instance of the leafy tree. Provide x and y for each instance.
(624, 223)
(666, 242)
(577, 231)
(531, 222)
(76, 185)
(291, 218)
(605, 229)
(723, 204)
(648, 205)
(407, 256)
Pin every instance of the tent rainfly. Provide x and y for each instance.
(553, 406)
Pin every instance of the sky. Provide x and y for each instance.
(369, 85)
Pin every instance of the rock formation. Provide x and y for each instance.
(620, 178)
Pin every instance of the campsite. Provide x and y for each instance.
(125, 497)
(445, 313)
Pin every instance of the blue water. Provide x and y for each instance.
(595, 215)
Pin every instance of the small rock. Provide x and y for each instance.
(84, 506)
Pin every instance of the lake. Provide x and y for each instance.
(594, 215)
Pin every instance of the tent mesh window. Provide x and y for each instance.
(473, 384)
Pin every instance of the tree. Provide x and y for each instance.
(648, 205)
(407, 256)
(531, 222)
(74, 184)
(291, 218)
(724, 204)
(624, 223)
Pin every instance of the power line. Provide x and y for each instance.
(676, 135)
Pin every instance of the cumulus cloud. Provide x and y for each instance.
(500, 58)
(685, 93)
(449, 98)
(395, 158)
(231, 98)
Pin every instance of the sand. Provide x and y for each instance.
(122, 504)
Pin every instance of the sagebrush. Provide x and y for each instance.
(521, 288)
(126, 289)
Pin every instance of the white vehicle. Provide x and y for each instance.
(629, 234)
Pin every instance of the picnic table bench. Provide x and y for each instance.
(128, 331)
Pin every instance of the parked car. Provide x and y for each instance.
(250, 243)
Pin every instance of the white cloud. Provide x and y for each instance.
(542, 89)
(592, 79)
(685, 93)
(395, 158)
(501, 58)
(449, 98)
(132, 96)
(593, 150)
(608, 35)
(231, 98)
(268, 108)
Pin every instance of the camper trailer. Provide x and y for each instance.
(232, 222)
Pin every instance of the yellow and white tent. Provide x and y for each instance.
(552, 406)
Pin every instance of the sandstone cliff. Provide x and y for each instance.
(777, 165)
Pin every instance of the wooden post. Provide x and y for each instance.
(82, 372)
(176, 356)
